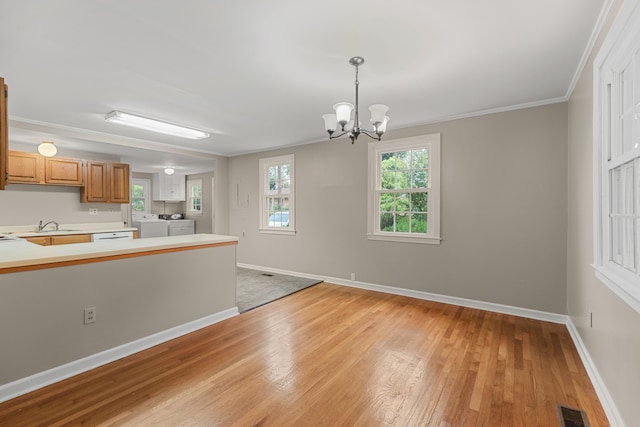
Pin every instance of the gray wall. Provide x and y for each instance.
(503, 213)
(134, 298)
(614, 340)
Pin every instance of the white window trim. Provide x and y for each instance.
(620, 41)
(191, 182)
(264, 165)
(146, 183)
(432, 141)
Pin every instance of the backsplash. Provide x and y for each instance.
(22, 204)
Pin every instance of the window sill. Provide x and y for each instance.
(276, 231)
(406, 239)
(627, 291)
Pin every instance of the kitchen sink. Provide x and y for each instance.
(54, 231)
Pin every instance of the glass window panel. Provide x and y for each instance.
(419, 179)
(419, 159)
(386, 222)
(286, 172)
(419, 223)
(387, 202)
(403, 160)
(402, 223)
(388, 180)
(286, 186)
(388, 161)
(419, 202)
(403, 180)
(402, 202)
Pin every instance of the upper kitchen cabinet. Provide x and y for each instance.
(4, 133)
(32, 168)
(119, 191)
(169, 188)
(63, 171)
(25, 168)
(106, 183)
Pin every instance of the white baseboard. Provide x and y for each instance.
(488, 306)
(609, 406)
(601, 390)
(59, 373)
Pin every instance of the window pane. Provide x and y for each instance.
(387, 202)
(388, 180)
(403, 160)
(386, 222)
(137, 205)
(402, 202)
(419, 159)
(285, 186)
(419, 202)
(403, 180)
(388, 162)
(419, 179)
(419, 223)
(402, 223)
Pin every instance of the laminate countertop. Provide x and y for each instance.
(21, 255)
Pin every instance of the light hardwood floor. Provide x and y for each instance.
(331, 355)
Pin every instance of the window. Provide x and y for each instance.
(140, 189)
(277, 213)
(194, 197)
(404, 190)
(617, 158)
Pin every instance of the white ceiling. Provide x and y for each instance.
(259, 74)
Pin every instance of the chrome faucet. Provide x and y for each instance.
(41, 226)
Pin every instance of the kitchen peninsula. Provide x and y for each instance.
(142, 292)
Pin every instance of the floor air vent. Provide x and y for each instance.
(571, 417)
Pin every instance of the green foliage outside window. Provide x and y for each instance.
(404, 197)
(137, 198)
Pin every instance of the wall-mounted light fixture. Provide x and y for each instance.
(169, 171)
(47, 149)
(154, 125)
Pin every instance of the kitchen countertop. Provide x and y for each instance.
(66, 229)
(22, 254)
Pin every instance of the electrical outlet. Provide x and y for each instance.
(353, 276)
(93, 211)
(89, 315)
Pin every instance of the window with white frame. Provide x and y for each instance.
(277, 195)
(194, 197)
(617, 158)
(404, 190)
(140, 200)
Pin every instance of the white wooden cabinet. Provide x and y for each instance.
(169, 188)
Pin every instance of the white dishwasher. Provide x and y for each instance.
(179, 227)
(118, 235)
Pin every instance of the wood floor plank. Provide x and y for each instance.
(332, 355)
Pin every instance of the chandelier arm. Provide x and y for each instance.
(370, 135)
(340, 135)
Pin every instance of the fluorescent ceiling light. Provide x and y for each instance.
(153, 125)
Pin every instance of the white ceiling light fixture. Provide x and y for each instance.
(47, 149)
(169, 171)
(351, 127)
(154, 125)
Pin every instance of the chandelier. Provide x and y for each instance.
(351, 127)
